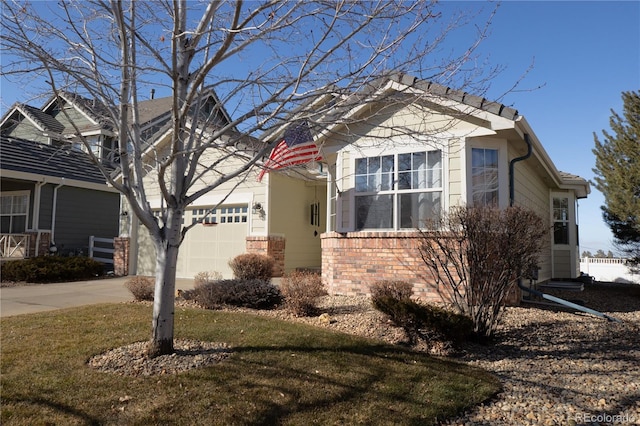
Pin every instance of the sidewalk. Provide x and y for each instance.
(47, 297)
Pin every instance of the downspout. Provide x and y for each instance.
(53, 213)
(512, 179)
(557, 300)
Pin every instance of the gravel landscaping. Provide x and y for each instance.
(556, 367)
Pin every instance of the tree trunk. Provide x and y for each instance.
(164, 299)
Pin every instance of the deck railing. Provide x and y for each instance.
(14, 246)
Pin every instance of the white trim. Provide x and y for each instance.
(210, 200)
(57, 180)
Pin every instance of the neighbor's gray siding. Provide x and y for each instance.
(81, 213)
(26, 130)
(46, 206)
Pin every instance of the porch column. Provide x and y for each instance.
(272, 246)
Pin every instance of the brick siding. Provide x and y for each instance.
(121, 246)
(352, 261)
(272, 246)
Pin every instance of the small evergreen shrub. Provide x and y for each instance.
(49, 269)
(399, 290)
(300, 290)
(202, 278)
(142, 288)
(255, 294)
(252, 266)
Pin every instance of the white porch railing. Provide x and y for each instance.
(14, 246)
(101, 247)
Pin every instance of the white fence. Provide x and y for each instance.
(99, 247)
(14, 246)
(608, 269)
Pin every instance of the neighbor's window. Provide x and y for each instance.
(484, 177)
(560, 220)
(13, 212)
(398, 191)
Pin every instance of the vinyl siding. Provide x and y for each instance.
(81, 213)
(26, 130)
(290, 215)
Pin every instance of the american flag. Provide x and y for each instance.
(297, 147)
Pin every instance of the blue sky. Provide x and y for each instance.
(584, 55)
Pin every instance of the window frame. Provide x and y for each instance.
(499, 145)
(11, 215)
(394, 191)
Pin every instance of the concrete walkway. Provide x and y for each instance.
(48, 297)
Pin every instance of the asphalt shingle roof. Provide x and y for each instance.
(32, 157)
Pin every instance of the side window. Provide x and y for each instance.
(484, 177)
(560, 220)
(14, 209)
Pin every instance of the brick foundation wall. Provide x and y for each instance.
(43, 244)
(272, 246)
(121, 248)
(351, 262)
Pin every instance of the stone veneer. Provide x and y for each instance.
(352, 261)
(272, 246)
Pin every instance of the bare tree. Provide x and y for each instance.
(267, 61)
(475, 255)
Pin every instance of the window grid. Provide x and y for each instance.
(399, 191)
(560, 220)
(484, 177)
(14, 209)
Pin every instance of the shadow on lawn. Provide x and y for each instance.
(70, 413)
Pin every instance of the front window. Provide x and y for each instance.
(484, 177)
(13, 213)
(561, 220)
(400, 191)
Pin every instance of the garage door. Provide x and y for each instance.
(219, 237)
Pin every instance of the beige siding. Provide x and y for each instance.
(455, 176)
(290, 215)
(532, 193)
(562, 263)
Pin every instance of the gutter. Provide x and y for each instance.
(554, 299)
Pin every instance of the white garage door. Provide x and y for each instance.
(208, 246)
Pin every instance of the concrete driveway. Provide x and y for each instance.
(48, 297)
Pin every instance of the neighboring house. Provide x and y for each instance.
(52, 195)
(354, 215)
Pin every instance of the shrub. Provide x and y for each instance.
(252, 266)
(396, 289)
(142, 288)
(420, 321)
(475, 255)
(48, 269)
(202, 278)
(300, 290)
(256, 294)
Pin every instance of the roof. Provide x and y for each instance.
(456, 95)
(21, 155)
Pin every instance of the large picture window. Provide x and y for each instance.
(484, 177)
(400, 191)
(13, 212)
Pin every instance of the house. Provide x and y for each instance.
(52, 196)
(52, 193)
(387, 165)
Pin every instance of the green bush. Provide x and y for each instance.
(255, 294)
(300, 290)
(48, 269)
(142, 288)
(252, 266)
